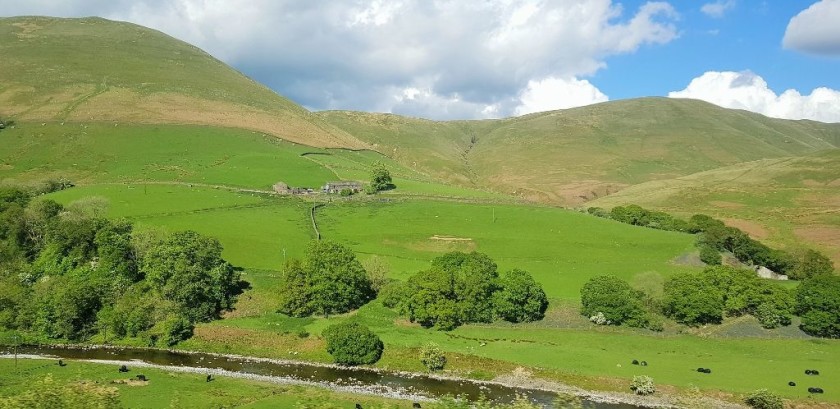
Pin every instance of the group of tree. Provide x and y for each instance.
(717, 292)
(458, 288)
(69, 273)
(462, 288)
(715, 237)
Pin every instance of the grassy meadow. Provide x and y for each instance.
(208, 190)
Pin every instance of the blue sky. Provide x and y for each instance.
(746, 37)
(458, 59)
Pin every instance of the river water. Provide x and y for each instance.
(361, 379)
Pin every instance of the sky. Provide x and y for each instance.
(466, 59)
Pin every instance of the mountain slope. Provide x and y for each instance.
(576, 155)
(94, 69)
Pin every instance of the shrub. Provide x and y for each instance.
(770, 316)
(351, 343)
(692, 300)
(599, 319)
(175, 329)
(818, 302)
(710, 255)
(764, 399)
(642, 385)
(432, 357)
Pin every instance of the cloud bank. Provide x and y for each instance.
(717, 9)
(746, 90)
(815, 30)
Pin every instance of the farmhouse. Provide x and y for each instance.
(337, 187)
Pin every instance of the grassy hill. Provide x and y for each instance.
(92, 69)
(783, 201)
(576, 155)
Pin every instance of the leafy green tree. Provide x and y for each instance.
(476, 280)
(188, 269)
(114, 251)
(351, 343)
(380, 178)
(66, 306)
(521, 299)
(329, 281)
(613, 297)
(818, 303)
(689, 299)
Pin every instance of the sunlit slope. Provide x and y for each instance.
(576, 155)
(785, 201)
(93, 69)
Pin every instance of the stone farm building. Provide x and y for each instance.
(284, 189)
(337, 187)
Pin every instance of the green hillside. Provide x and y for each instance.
(576, 155)
(785, 200)
(94, 69)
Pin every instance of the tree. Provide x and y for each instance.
(377, 272)
(642, 385)
(691, 300)
(330, 280)
(380, 178)
(818, 303)
(351, 343)
(188, 269)
(521, 299)
(612, 297)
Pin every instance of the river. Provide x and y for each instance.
(368, 381)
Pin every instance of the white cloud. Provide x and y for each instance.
(816, 29)
(717, 9)
(746, 90)
(557, 93)
(360, 54)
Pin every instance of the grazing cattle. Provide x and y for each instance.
(815, 372)
(416, 405)
(807, 372)
(61, 363)
(635, 362)
(704, 370)
(791, 383)
(142, 377)
(815, 390)
(209, 378)
(643, 363)
(123, 369)
(358, 406)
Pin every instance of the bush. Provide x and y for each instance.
(432, 357)
(764, 399)
(710, 255)
(689, 299)
(770, 316)
(642, 385)
(175, 329)
(351, 343)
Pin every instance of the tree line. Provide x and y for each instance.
(707, 297)
(714, 237)
(458, 288)
(70, 273)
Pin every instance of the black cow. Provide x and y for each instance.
(142, 377)
(815, 390)
(416, 405)
(643, 363)
(635, 362)
(61, 363)
(358, 406)
(791, 383)
(123, 369)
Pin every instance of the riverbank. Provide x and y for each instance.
(355, 380)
